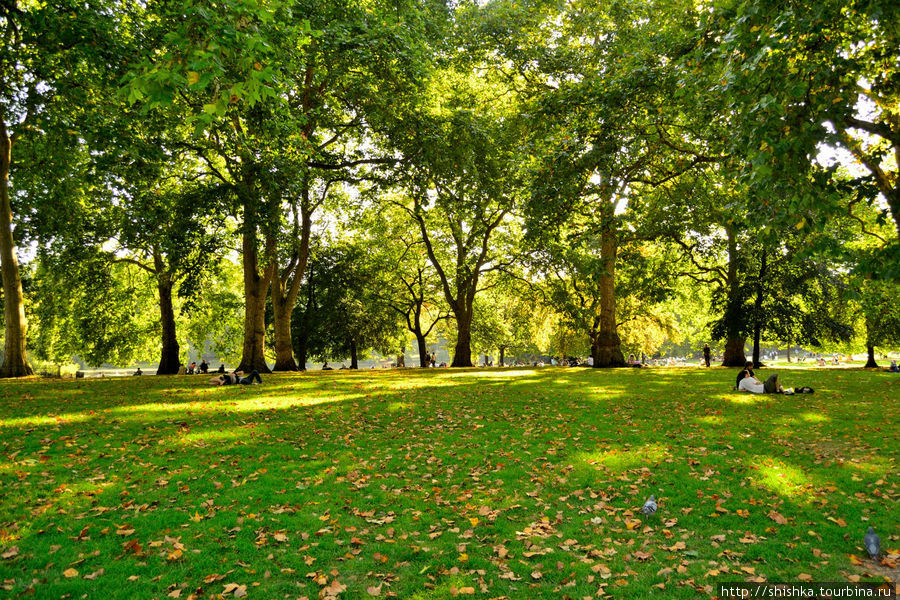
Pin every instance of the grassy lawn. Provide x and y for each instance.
(518, 483)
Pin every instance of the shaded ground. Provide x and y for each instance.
(519, 483)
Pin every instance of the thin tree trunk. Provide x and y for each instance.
(502, 353)
(256, 288)
(286, 289)
(354, 359)
(15, 361)
(757, 309)
(423, 350)
(607, 345)
(169, 358)
(733, 354)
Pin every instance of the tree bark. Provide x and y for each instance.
(256, 288)
(169, 358)
(870, 363)
(757, 309)
(423, 350)
(502, 354)
(607, 344)
(462, 353)
(15, 361)
(286, 288)
(354, 359)
(733, 355)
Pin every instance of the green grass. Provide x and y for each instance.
(519, 483)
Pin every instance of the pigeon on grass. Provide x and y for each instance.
(873, 543)
(649, 506)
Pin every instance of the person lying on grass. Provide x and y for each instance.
(751, 384)
(235, 379)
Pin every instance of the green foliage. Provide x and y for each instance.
(91, 308)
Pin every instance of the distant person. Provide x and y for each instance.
(894, 368)
(631, 359)
(204, 367)
(706, 354)
(821, 362)
(221, 369)
(192, 368)
(139, 372)
(236, 379)
(325, 367)
(182, 370)
(590, 361)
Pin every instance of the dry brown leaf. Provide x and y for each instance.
(69, 573)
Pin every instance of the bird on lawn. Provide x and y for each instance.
(872, 542)
(649, 506)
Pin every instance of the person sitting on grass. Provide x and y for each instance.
(748, 368)
(894, 368)
(236, 379)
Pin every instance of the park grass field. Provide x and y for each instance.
(501, 483)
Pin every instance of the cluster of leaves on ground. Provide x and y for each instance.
(439, 483)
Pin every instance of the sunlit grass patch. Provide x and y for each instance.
(781, 478)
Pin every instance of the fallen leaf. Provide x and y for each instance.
(777, 517)
(69, 573)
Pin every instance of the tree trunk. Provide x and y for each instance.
(502, 353)
(15, 361)
(423, 350)
(286, 288)
(607, 345)
(284, 347)
(789, 353)
(757, 310)
(401, 358)
(169, 358)
(354, 360)
(256, 289)
(462, 353)
(733, 355)
(870, 363)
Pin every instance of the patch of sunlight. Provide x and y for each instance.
(781, 478)
(622, 459)
(210, 435)
(487, 373)
(398, 406)
(709, 419)
(814, 418)
(40, 420)
(231, 403)
(745, 398)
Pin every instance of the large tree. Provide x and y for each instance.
(459, 176)
(48, 51)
